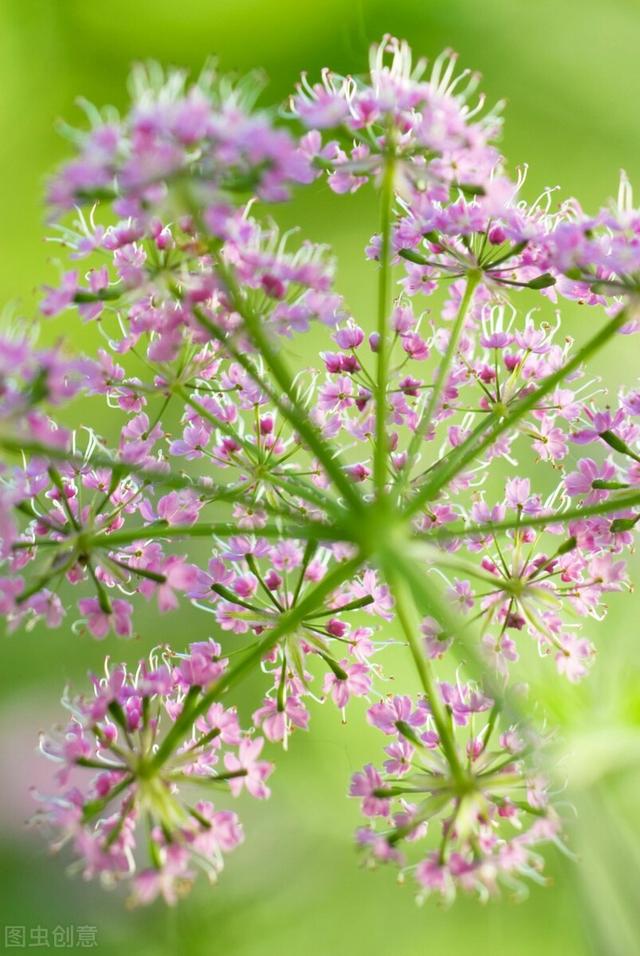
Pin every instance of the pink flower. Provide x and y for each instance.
(276, 723)
(57, 300)
(415, 346)
(461, 594)
(550, 441)
(574, 657)
(400, 753)
(251, 772)
(280, 502)
(203, 664)
(195, 439)
(365, 785)
(100, 621)
(580, 482)
(517, 492)
(180, 576)
(179, 507)
(224, 721)
(349, 337)
(353, 680)
(387, 713)
(130, 712)
(600, 422)
(336, 396)
(431, 874)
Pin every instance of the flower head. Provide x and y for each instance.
(473, 826)
(130, 757)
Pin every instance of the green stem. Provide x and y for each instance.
(441, 463)
(473, 278)
(302, 488)
(233, 598)
(384, 296)
(96, 460)
(291, 410)
(493, 716)
(351, 606)
(54, 474)
(288, 622)
(95, 807)
(313, 530)
(230, 494)
(469, 450)
(410, 624)
(292, 483)
(141, 572)
(309, 552)
(217, 778)
(466, 646)
(612, 506)
(255, 570)
(218, 423)
(43, 580)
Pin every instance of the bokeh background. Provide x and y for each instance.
(568, 69)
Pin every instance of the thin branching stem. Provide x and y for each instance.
(444, 366)
(497, 424)
(384, 308)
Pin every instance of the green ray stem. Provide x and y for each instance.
(469, 450)
(291, 410)
(410, 623)
(384, 308)
(610, 507)
(473, 278)
(287, 623)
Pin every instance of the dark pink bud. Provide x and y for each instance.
(273, 287)
(266, 425)
(273, 580)
(410, 385)
(350, 364)
(336, 628)
(489, 566)
(358, 472)
(332, 362)
(362, 399)
(511, 361)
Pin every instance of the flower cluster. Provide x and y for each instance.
(255, 582)
(434, 461)
(30, 376)
(597, 256)
(157, 283)
(125, 801)
(208, 133)
(431, 123)
(483, 812)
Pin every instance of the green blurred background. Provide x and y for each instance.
(569, 72)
